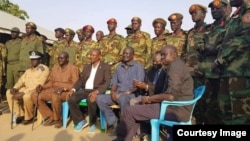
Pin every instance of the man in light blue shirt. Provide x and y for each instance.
(122, 89)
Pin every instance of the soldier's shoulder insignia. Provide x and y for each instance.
(41, 67)
(246, 18)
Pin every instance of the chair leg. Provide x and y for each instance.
(103, 124)
(155, 129)
(65, 113)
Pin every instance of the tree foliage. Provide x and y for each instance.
(13, 9)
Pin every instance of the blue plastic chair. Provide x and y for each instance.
(65, 111)
(155, 123)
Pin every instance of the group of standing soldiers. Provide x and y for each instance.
(217, 54)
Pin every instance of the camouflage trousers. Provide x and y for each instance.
(233, 103)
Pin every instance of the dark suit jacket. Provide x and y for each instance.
(160, 85)
(102, 77)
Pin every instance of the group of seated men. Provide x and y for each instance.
(138, 92)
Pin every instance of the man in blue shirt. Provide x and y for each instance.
(122, 89)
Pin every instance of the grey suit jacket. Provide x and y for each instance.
(101, 80)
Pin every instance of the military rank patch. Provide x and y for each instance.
(246, 18)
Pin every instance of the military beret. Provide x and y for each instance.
(175, 16)
(35, 54)
(31, 24)
(129, 27)
(159, 20)
(196, 7)
(136, 19)
(217, 3)
(78, 31)
(15, 29)
(88, 27)
(60, 30)
(70, 31)
(112, 20)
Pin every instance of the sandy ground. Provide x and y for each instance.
(42, 133)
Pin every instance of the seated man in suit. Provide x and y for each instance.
(122, 89)
(94, 80)
(21, 93)
(179, 87)
(61, 80)
(154, 79)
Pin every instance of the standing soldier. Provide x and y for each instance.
(57, 46)
(13, 49)
(178, 37)
(194, 52)
(160, 40)
(129, 30)
(80, 35)
(30, 42)
(233, 65)
(82, 57)
(213, 38)
(141, 42)
(70, 46)
(99, 35)
(112, 45)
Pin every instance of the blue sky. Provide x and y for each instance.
(74, 14)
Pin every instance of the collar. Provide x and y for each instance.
(132, 63)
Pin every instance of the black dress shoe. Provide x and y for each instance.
(19, 119)
(25, 122)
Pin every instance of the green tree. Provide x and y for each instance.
(13, 9)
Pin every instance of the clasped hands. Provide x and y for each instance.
(16, 95)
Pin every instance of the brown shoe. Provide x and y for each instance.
(25, 122)
(49, 122)
(58, 124)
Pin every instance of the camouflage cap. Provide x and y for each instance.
(70, 31)
(88, 27)
(31, 24)
(217, 3)
(78, 31)
(129, 27)
(112, 20)
(60, 30)
(175, 16)
(196, 7)
(159, 20)
(136, 19)
(15, 29)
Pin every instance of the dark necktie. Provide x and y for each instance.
(156, 77)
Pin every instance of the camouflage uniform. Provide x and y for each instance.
(179, 41)
(72, 49)
(13, 48)
(82, 56)
(234, 95)
(158, 43)
(54, 51)
(141, 42)
(112, 47)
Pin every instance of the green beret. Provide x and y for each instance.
(196, 7)
(31, 24)
(159, 20)
(15, 29)
(70, 31)
(175, 16)
(217, 3)
(129, 27)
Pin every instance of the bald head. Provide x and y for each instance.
(98, 51)
(168, 54)
(170, 48)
